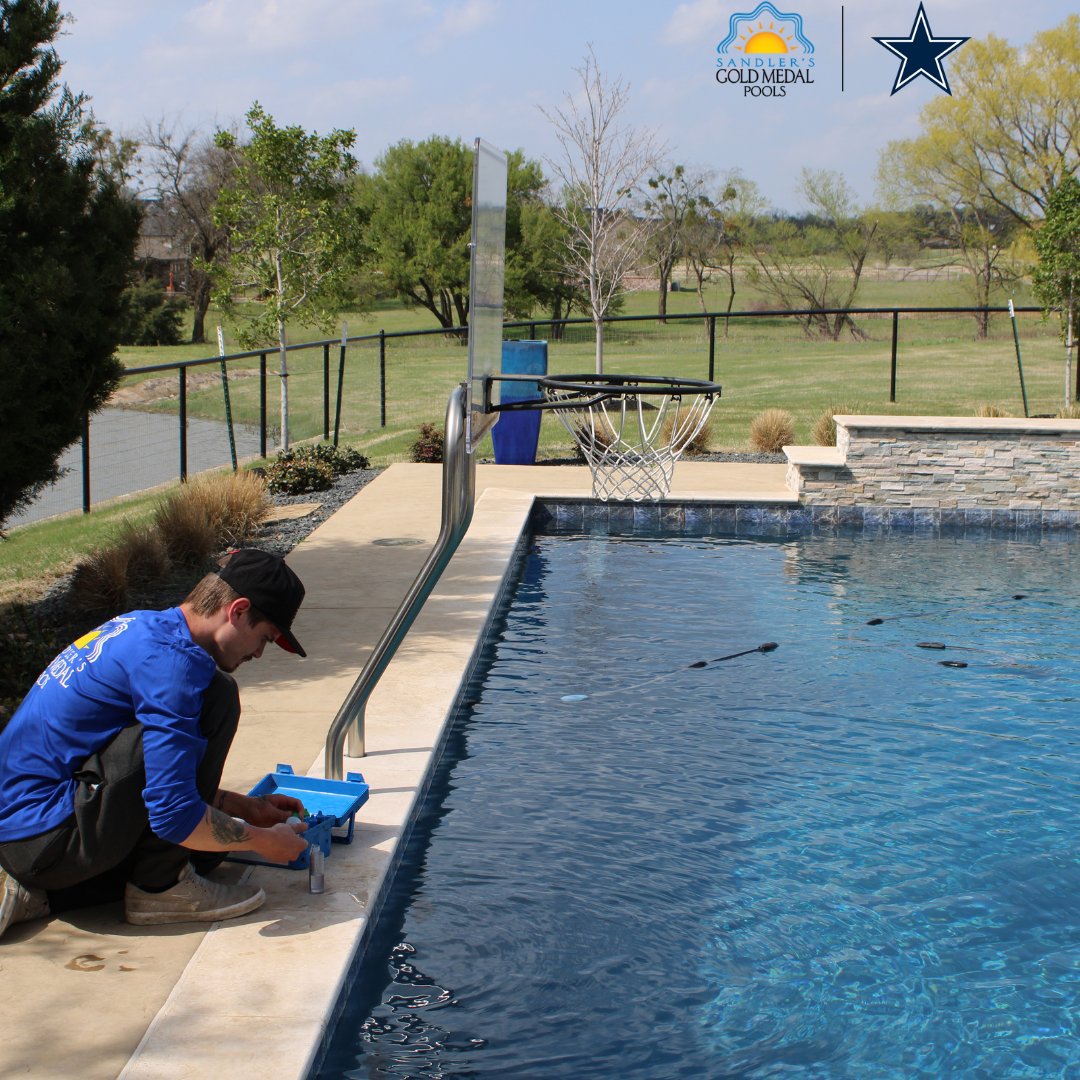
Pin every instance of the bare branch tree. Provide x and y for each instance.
(804, 268)
(600, 169)
(188, 173)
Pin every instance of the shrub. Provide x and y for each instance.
(341, 459)
(699, 444)
(235, 504)
(27, 643)
(150, 315)
(187, 527)
(824, 430)
(991, 410)
(103, 579)
(190, 526)
(293, 475)
(772, 430)
(597, 435)
(1070, 412)
(311, 468)
(428, 448)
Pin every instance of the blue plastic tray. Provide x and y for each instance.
(329, 804)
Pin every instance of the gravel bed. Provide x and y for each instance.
(282, 536)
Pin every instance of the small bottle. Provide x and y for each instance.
(316, 875)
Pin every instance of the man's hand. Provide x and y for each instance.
(219, 831)
(261, 810)
(281, 843)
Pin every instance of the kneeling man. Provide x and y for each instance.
(110, 768)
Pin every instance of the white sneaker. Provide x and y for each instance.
(18, 903)
(191, 899)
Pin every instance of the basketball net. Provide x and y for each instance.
(630, 444)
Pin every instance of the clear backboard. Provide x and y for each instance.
(486, 286)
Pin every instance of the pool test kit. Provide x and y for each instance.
(329, 811)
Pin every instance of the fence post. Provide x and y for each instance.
(340, 380)
(183, 424)
(382, 378)
(892, 369)
(86, 463)
(326, 389)
(712, 348)
(262, 405)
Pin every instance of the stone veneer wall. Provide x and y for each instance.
(943, 463)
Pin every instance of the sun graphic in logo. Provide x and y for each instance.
(765, 31)
(766, 41)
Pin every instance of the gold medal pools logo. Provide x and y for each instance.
(765, 53)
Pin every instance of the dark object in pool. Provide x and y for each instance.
(945, 611)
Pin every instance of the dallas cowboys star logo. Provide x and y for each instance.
(921, 53)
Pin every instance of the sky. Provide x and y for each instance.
(395, 70)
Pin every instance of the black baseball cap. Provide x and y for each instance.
(271, 586)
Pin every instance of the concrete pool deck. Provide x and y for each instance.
(87, 995)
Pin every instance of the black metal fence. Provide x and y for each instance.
(379, 387)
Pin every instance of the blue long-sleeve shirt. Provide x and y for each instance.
(142, 667)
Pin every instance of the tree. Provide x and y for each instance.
(672, 198)
(536, 269)
(968, 223)
(293, 234)
(821, 266)
(189, 173)
(419, 204)
(68, 233)
(1010, 132)
(600, 169)
(1057, 277)
(718, 230)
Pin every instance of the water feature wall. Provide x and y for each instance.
(938, 463)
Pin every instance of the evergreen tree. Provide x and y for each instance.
(67, 233)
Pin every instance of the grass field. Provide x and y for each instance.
(761, 362)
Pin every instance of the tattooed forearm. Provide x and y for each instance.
(226, 829)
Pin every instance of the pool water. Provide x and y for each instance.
(838, 858)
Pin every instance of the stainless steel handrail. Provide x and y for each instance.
(458, 498)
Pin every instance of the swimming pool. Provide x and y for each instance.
(839, 858)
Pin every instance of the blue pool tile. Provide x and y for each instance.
(926, 519)
(673, 517)
(900, 519)
(646, 518)
(1060, 519)
(570, 515)
(1003, 519)
(698, 519)
(850, 517)
(704, 519)
(1028, 520)
(620, 516)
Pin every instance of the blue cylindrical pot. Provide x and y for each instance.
(516, 434)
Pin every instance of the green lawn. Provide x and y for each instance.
(761, 362)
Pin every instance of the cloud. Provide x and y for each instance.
(460, 20)
(690, 23)
(273, 25)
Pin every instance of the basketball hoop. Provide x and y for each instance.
(631, 429)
